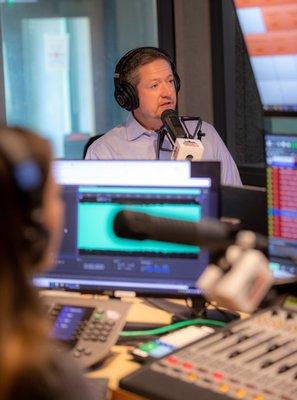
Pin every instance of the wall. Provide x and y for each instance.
(193, 55)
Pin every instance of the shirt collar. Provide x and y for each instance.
(134, 129)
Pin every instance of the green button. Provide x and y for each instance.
(147, 347)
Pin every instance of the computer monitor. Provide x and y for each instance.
(236, 205)
(281, 158)
(93, 259)
(281, 149)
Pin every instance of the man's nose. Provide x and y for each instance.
(167, 89)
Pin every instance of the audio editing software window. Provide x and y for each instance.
(281, 157)
(93, 257)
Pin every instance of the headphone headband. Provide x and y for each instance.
(125, 94)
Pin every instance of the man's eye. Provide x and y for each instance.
(154, 85)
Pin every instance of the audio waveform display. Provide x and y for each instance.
(96, 234)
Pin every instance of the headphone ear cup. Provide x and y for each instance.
(126, 96)
(35, 241)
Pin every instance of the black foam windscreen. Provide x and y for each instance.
(173, 125)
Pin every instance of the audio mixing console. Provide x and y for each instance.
(253, 359)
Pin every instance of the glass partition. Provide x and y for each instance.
(58, 61)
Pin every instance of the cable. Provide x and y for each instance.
(168, 328)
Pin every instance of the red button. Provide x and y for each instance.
(187, 365)
(218, 375)
(172, 360)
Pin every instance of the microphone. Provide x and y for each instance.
(208, 233)
(184, 147)
(173, 125)
(241, 277)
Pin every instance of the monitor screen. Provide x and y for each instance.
(93, 259)
(270, 32)
(281, 150)
(281, 157)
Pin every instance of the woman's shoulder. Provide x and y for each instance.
(60, 377)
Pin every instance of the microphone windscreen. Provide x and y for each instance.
(209, 234)
(168, 113)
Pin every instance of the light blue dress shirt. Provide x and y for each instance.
(131, 141)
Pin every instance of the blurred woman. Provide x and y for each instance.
(31, 218)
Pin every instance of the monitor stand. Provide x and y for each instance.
(197, 309)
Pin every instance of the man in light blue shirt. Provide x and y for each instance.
(146, 84)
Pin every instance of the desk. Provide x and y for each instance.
(120, 363)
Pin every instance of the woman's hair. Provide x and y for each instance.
(22, 327)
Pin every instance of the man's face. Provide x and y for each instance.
(156, 93)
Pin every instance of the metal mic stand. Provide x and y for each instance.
(198, 132)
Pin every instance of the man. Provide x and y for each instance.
(146, 84)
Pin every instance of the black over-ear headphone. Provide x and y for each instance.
(124, 93)
(27, 178)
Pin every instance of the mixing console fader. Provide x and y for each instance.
(253, 359)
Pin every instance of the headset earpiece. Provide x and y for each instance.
(126, 96)
(124, 93)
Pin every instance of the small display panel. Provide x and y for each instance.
(281, 150)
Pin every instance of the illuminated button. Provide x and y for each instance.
(240, 393)
(147, 347)
(192, 377)
(171, 360)
(224, 388)
(187, 365)
(218, 375)
(97, 316)
(160, 351)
